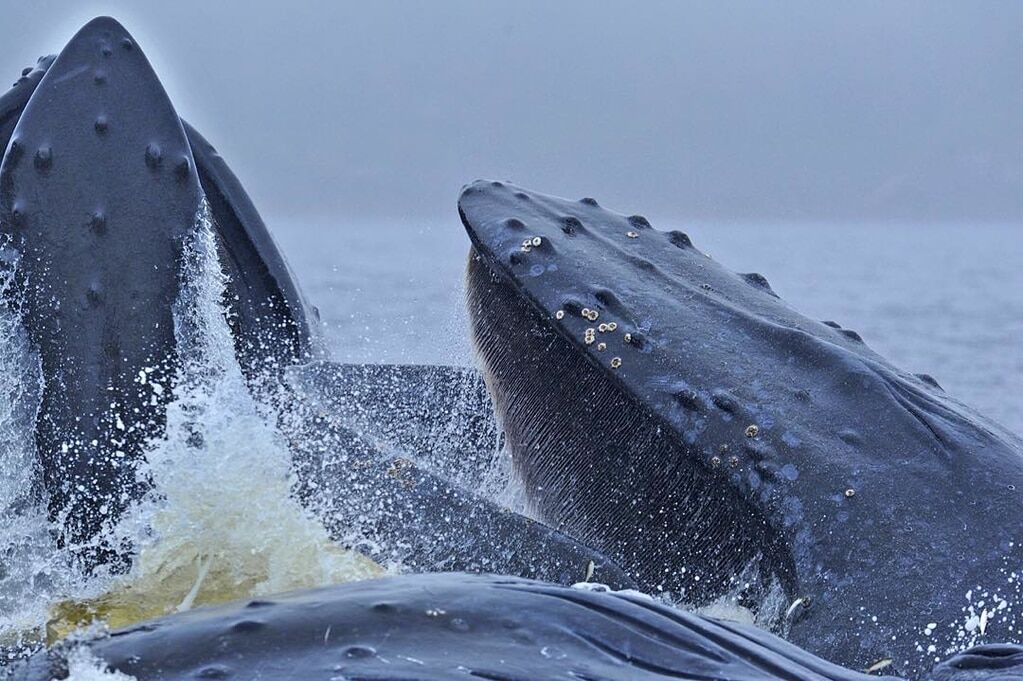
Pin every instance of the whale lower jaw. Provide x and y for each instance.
(569, 428)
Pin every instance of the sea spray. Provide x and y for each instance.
(220, 521)
(32, 571)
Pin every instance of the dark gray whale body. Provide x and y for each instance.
(99, 111)
(448, 626)
(699, 422)
(361, 472)
(453, 626)
(99, 191)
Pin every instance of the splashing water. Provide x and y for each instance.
(220, 521)
(83, 665)
(32, 572)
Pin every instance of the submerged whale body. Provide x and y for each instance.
(436, 627)
(674, 414)
(396, 486)
(446, 626)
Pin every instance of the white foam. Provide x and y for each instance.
(32, 571)
(220, 522)
(84, 666)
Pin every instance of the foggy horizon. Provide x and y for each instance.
(905, 112)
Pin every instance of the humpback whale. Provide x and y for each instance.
(73, 239)
(12, 102)
(435, 627)
(101, 187)
(445, 626)
(395, 487)
(675, 426)
(684, 420)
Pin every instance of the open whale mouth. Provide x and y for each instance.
(594, 460)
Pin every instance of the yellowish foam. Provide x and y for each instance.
(221, 522)
(174, 588)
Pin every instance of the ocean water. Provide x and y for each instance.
(942, 299)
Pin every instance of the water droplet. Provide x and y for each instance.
(553, 653)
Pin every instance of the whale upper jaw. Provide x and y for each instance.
(98, 189)
(864, 486)
(100, 185)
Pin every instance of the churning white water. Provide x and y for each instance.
(220, 521)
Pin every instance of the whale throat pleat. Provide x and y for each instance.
(583, 450)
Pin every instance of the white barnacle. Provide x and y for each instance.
(632, 235)
(628, 338)
(601, 347)
(602, 328)
(616, 362)
(585, 312)
(560, 314)
(850, 493)
(536, 241)
(611, 326)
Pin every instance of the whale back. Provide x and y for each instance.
(449, 626)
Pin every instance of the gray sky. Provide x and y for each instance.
(712, 111)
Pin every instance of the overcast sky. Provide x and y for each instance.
(713, 111)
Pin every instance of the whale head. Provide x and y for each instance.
(683, 419)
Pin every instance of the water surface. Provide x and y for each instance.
(942, 299)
